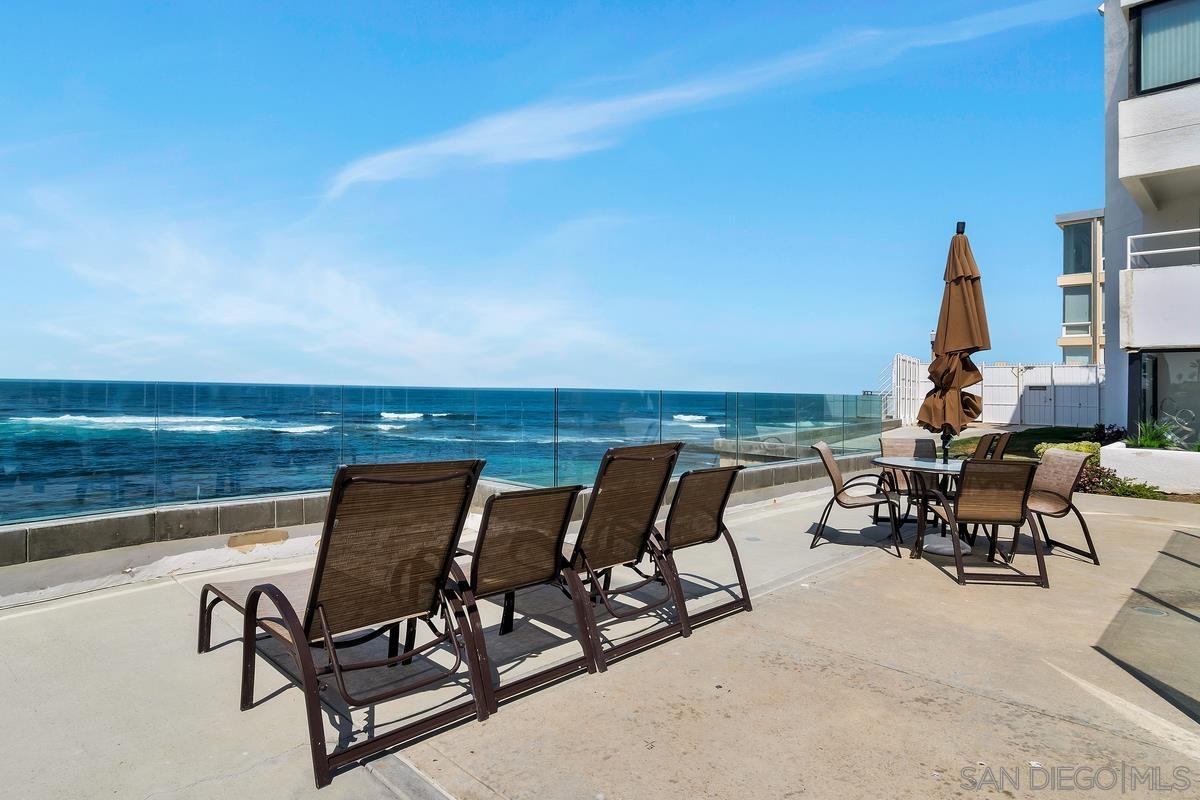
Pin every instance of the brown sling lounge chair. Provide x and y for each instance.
(520, 546)
(697, 516)
(617, 530)
(385, 555)
(1053, 486)
(990, 494)
(880, 497)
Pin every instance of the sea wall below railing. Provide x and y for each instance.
(247, 522)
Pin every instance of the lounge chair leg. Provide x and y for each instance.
(993, 537)
(675, 587)
(410, 638)
(204, 634)
(586, 614)
(308, 674)
(1087, 535)
(821, 524)
(510, 607)
(955, 539)
(1041, 559)
(737, 566)
(897, 539)
(393, 640)
(481, 681)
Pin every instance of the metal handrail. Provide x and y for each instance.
(1131, 253)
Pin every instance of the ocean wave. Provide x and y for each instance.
(383, 426)
(704, 425)
(395, 415)
(690, 418)
(170, 424)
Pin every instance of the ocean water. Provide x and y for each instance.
(71, 447)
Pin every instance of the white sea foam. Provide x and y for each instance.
(689, 418)
(704, 425)
(170, 424)
(408, 416)
(383, 426)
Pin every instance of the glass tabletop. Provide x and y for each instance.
(932, 465)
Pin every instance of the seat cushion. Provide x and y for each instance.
(294, 586)
(1047, 503)
(847, 500)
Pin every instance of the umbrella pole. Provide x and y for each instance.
(946, 436)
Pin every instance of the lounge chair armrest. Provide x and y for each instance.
(284, 606)
(1066, 501)
(876, 479)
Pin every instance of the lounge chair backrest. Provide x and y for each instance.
(831, 466)
(1001, 446)
(983, 446)
(905, 448)
(994, 491)
(390, 532)
(698, 507)
(520, 539)
(1059, 472)
(624, 503)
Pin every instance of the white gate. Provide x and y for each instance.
(1013, 394)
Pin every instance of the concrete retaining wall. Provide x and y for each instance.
(1175, 471)
(39, 541)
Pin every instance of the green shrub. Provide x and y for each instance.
(1092, 448)
(1154, 435)
(1102, 480)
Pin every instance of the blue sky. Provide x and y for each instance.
(699, 195)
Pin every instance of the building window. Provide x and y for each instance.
(1077, 354)
(1167, 43)
(1171, 391)
(1077, 248)
(1077, 311)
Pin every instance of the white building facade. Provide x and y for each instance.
(1151, 238)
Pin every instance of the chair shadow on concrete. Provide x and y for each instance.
(1155, 636)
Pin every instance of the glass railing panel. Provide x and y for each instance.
(515, 433)
(239, 440)
(818, 419)
(592, 420)
(702, 421)
(863, 422)
(75, 447)
(412, 423)
(766, 428)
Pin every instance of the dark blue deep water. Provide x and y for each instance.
(70, 447)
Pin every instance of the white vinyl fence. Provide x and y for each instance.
(1020, 394)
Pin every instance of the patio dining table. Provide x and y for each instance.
(938, 470)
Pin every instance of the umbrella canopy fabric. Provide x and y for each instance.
(962, 329)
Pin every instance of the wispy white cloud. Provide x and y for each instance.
(166, 301)
(562, 129)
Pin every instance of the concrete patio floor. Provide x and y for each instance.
(858, 674)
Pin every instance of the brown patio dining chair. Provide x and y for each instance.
(902, 448)
(617, 530)
(990, 494)
(697, 516)
(846, 499)
(1053, 487)
(984, 446)
(520, 547)
(1001, 446)
(384, 557)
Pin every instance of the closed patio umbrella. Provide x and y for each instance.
(962, 329)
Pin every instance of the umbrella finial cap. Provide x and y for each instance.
(960, 228)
